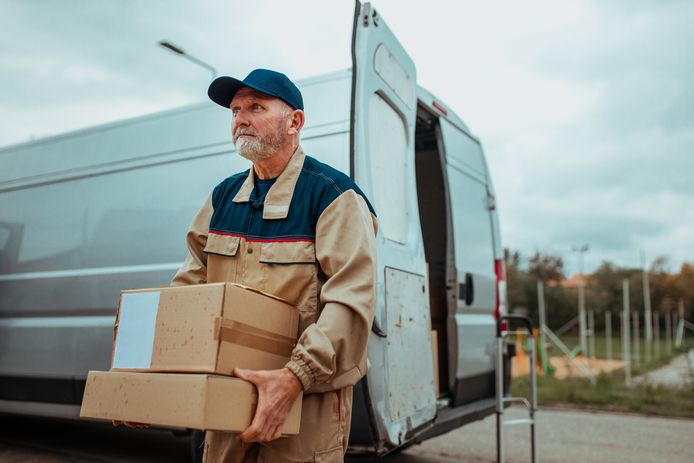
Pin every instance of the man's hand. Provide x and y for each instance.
(130, 424)
(277, 391)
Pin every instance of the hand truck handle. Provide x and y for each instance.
(510, 317)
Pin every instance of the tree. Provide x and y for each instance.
(546, 268)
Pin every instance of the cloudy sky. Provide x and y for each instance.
(585, 108)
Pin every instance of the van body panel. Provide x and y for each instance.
(408, 329)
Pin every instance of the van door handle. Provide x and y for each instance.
(466, 291)
(377, 330)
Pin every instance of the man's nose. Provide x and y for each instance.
(238, 120)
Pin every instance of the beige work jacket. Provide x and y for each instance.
(311, 242)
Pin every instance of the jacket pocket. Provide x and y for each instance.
(289, 271)
(294, 252)
(224, 245)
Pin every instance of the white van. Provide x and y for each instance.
(88, 213)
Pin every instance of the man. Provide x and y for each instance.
(298, 229)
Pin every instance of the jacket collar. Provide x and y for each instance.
(280, 194)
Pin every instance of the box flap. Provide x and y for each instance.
(243, 304)
(255, 290)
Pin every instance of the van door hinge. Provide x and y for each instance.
(491, 203)
(370, 14)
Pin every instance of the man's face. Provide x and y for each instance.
(259, 124)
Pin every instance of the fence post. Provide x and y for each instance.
(591, 328)
(608, 339)
(625, 333)
(679, 337)
(648, 334)
(637, 341)
(657, 334)
(543, 326)
(668, 333)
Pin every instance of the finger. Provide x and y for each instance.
(256, 428)
(276, 433)
(136, 425)
(250, 434)
(247, 375)
(115, 422)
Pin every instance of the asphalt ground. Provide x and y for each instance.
(563, 436)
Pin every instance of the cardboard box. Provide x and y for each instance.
(197, 401)
(208, 328)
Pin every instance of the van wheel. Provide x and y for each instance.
(197, 445)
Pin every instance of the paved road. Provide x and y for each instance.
(564, 436)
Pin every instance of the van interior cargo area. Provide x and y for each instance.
(434, 217)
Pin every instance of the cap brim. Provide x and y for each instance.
(223, 89)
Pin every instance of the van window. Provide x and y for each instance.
(474, 250)
(462, 148)
(389, 167)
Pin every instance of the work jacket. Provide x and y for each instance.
(310, 242)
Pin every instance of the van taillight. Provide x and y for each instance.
(500, 270)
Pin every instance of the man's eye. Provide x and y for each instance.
(256, 106)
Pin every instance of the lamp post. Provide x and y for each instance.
(179, 51)
(582, 249)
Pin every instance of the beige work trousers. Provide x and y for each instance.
(323, 436)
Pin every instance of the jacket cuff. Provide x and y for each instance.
(302, 371)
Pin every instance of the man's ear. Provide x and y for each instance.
(296, 122)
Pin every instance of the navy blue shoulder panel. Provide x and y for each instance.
(316, 188)
(330, 182)
(228, 187)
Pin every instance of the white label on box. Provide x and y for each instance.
(136, 325)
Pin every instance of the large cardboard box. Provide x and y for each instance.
(209, 328)
(196, 401)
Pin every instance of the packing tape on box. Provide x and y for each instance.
(236, 332)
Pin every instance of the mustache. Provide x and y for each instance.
(244, 132)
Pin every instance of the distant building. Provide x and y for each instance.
(573, 282)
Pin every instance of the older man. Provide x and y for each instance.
(301, 230)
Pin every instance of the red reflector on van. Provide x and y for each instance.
(440, 107)
(500, 272)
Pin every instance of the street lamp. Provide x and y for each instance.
(582, 249)
(179, 51)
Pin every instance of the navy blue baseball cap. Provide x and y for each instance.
(223, 89)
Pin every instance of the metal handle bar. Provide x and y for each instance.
(511, 317)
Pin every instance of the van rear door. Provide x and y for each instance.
(400, 383)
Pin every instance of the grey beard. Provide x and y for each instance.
(253, 150)
(257, 149)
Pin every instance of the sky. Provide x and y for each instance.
(585, 109)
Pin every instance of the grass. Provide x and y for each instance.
(610, 393)
(616, 342)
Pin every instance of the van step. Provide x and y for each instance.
(519, 421)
